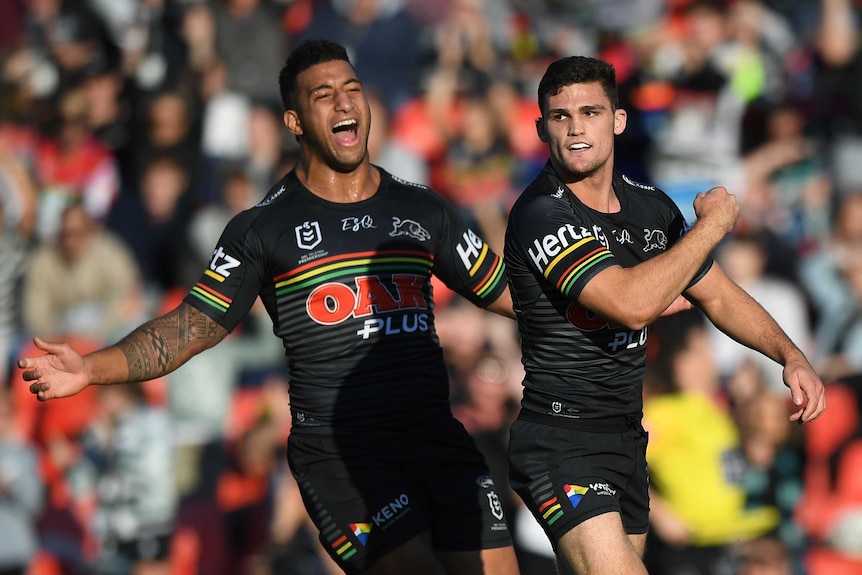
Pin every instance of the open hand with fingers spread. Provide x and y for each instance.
(61, 372)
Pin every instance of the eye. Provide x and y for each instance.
(558, 116)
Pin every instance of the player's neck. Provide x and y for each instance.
(339, 187)
(596, 191)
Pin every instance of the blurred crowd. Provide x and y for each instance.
(131, 131)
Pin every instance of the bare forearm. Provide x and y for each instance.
(156, 348)
(743, 319)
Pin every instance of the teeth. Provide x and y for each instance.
(345, 123)
(579, 146)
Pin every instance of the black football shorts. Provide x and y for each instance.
(566, 476)
(369, 494)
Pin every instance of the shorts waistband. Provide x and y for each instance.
(611, 424)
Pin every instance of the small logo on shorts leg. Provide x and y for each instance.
(361, 530)
(603, 489)
(575, 493)
(495, 505)
(484, 482)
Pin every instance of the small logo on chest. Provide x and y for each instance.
(308, 235)
(409, 228)
(354, 224)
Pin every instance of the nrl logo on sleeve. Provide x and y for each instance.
(308, 235)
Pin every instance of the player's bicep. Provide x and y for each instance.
(707, 293)
(602, 294)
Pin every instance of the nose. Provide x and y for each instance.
(343, 101)
(576, 126)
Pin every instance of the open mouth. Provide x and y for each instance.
(346, 131)
(579, 147)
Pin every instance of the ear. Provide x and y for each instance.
(620, 117)
(291, 120)
(540, 129)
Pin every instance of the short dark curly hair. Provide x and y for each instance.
(307, 54)
(578, 70)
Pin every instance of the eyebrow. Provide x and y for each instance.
(584, 108)
(328, 86)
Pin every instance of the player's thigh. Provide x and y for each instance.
(599, 546)
(366, 509)
(464, 507)
(498, 561)
(638, 541)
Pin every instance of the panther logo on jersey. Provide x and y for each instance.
(655, 240)
(410, 228)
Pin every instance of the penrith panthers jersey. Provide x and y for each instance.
(578, 364)
(348, 288)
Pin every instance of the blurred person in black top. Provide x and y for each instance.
(593, 258)
(341, 254)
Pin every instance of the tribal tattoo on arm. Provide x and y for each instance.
(163, 344)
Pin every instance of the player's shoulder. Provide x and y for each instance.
(269, 210)
(408, 189)
(542, 195)
(639, 189)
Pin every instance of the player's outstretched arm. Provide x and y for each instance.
(152, 350)
(739, 316)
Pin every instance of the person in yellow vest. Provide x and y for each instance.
(695, 460)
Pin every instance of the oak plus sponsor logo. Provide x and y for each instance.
(354, 224)
(392, 307)
(549, 246)
(391, 512)
(409, 228)
(619, 338)
(308, 235)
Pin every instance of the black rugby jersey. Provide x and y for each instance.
(579, 364)
(348, 289)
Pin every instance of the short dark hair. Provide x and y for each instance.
(307, 54)
(578, 70)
